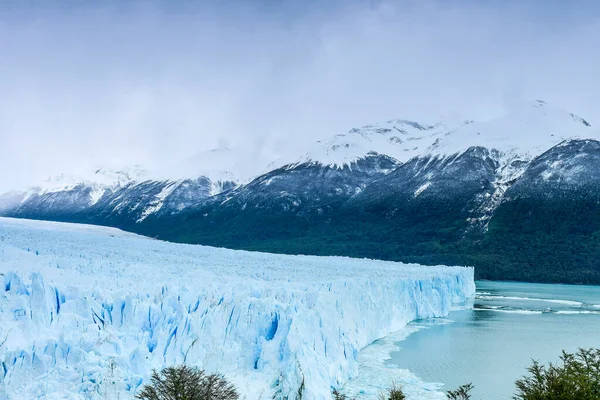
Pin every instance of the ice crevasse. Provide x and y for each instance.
(87, 312)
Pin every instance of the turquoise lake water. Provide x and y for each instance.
(492, 344)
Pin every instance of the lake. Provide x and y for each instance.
(490, 344)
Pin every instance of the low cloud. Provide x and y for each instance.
(112, 85)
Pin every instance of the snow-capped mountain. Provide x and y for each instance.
(98, 181)
(397, 190)
(130, 193)
(526, 130)
(429, 156)
(207, 174)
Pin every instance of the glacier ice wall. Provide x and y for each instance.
(87, 312)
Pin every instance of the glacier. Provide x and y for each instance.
(86, 312)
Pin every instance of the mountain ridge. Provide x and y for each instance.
(400, 190)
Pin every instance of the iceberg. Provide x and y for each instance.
(88, 312)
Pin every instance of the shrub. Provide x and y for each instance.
(186, 383)
(393, 393)
(576, 377)
(338, 396)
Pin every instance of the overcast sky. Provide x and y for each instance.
(94, 83)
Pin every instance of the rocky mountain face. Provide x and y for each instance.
(518, 197)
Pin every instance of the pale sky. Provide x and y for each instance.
(111, 83)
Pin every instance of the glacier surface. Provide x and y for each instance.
(87, 312)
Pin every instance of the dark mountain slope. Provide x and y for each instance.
(546, 227)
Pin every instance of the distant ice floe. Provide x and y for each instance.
(557, 301)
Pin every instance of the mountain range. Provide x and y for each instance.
(518, 197)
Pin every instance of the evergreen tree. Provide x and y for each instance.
(186, 383)
(393, 393)
(576, 377)
(462, 393)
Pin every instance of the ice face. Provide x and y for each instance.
(88, 312)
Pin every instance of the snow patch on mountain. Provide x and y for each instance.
(96, 194)
(158, 202)
(422, 188)
(510, 168)
(87, 312)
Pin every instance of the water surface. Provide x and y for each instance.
(492, 344)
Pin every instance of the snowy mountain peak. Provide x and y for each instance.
(92, 184)
(397, 138)
(526, 129)
(217, 164)
(97, 178)
(121, 176)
